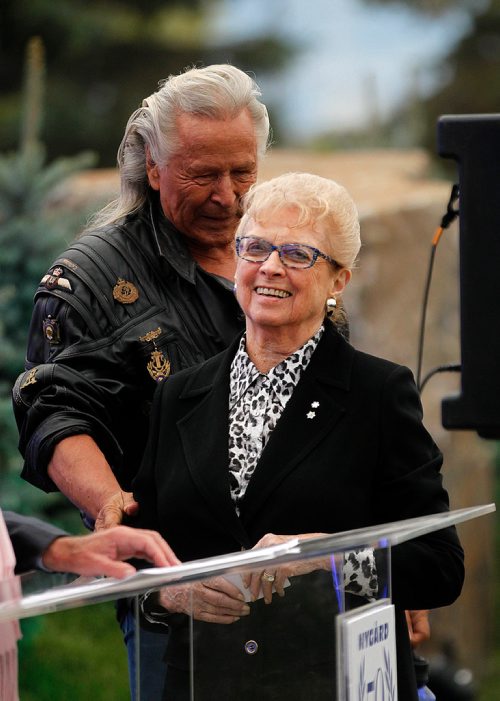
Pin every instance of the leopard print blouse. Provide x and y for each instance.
(256, 403)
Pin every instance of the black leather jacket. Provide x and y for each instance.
(117, 312)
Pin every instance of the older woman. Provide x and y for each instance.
(290, 431)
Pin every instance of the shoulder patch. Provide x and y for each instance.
(69, 263)
(54, 278)
(28, 378)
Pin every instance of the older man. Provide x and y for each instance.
(146, 291)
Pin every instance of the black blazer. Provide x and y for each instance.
(30, 537)
(365, 458)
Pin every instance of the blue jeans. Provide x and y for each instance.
(146, 678)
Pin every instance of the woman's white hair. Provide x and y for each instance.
(319, 202)
(218, 92)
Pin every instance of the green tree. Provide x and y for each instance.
(104, 57)
(31, 233)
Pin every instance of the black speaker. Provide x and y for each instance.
(473, 141)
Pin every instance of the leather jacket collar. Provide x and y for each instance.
(169, 241)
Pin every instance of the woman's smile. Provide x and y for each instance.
(272, 292)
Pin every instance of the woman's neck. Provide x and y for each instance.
(267, 347)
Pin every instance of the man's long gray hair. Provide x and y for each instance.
(218, 91)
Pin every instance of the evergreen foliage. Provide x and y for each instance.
(31, 234)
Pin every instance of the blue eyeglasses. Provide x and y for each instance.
(292, 255)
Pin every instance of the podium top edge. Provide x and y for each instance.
(486, 117)
(384, 535)
(397, 532)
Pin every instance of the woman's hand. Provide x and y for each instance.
(213, 601)
(274, 579)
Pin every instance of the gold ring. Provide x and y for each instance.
(268, 577)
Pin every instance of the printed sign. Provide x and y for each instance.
(366, 641)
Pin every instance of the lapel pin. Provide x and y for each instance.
(51, 330)
(315, 405)
(159, 365)
(311, 414)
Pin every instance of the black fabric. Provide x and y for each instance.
(93, 378)
(30, 538)
(366, 458)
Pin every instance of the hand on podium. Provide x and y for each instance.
(103, 553)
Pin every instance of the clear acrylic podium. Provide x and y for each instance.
(323, 635)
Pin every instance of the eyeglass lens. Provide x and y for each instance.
(294, 255)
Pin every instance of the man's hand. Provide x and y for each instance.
(103, 553)
(419, 627)
(80, 470)
(111, 514)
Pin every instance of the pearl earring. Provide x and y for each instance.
(331, 305)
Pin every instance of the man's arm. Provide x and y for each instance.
(37, 543)
(66, 390)
(82, 473)
(29, 537)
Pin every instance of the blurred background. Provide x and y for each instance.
(354, 89)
